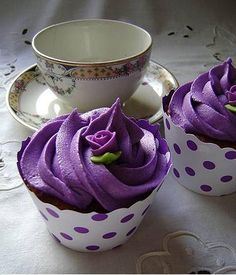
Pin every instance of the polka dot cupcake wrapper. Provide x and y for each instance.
(202, 167)
(93, 232)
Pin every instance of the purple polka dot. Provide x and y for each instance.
(206, 188)
(209, 165)
(109, 235)
(66, 236)
(190, 171)
(131, 231)
(127, 218)
(43, 216)
(230, 155)
(177, 149)
(92, 247)
(192, 145)
(82, 230)
(99, 217)
(52, 213)
(226, 178)
(145, 210)
(176, 172)
(167, 124)
(56, 238)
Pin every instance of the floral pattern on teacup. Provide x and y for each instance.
(95, 72)
(61, 85)
(49, 67)
(114, 71)
(62, 78)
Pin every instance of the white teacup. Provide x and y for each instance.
(89, 63)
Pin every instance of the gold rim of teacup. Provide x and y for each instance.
(88, 64)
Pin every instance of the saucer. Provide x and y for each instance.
(32, 103)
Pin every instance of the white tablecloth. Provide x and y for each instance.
(199, 231)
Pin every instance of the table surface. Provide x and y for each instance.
(188, 231)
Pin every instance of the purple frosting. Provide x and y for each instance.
(56, 160)
(199, 106)
(231, 95)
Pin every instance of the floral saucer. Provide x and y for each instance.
(32, 103)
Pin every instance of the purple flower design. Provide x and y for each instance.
(129, 67)
(19, 85)
(142, 62)
(231, 95)
(102, 141)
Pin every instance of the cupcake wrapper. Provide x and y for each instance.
(93, 232)
(202, 167)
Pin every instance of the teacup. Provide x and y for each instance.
(89, 63)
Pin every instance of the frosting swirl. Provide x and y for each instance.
(199, 107)
(57, 159)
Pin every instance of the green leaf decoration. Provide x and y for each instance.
(231, 108)
(106, 158)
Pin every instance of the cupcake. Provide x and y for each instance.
(94, 175)
(200, 128)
